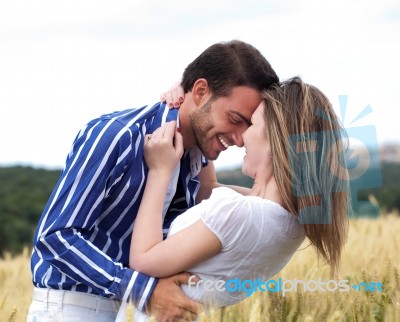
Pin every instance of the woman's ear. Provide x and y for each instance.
(201, 91)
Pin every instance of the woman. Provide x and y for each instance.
(294, 154)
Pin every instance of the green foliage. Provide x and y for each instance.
(24, 192)
(388, 196)
(234, 177)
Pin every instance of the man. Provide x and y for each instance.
(81, 245)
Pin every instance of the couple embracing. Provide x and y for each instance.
(138, 209)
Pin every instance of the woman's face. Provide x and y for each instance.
(258, 153)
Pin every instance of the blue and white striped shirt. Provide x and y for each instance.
(83, 237)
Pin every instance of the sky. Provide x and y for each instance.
(63, 63)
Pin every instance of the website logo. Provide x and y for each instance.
(358, 166)
(249, 287)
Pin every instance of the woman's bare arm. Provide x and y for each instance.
(149, 254)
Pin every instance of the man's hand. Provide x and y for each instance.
(169, 303)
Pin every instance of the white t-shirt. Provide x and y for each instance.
(258, 238)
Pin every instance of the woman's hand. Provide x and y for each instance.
(163, 149)
(174, 96)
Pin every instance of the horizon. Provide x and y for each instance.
(221, 166)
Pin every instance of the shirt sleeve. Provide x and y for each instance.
(97, 160)
(227, 215)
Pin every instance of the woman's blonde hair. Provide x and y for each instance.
(307, 147)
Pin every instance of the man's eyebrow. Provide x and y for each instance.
(245, 119)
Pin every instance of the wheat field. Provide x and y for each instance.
(372, 254)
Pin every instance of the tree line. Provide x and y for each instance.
(24, 192)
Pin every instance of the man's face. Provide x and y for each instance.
(220, 123)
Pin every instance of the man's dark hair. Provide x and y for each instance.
(229, 64)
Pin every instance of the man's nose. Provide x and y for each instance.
(238, 139)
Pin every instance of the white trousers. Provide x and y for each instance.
(66, 306)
